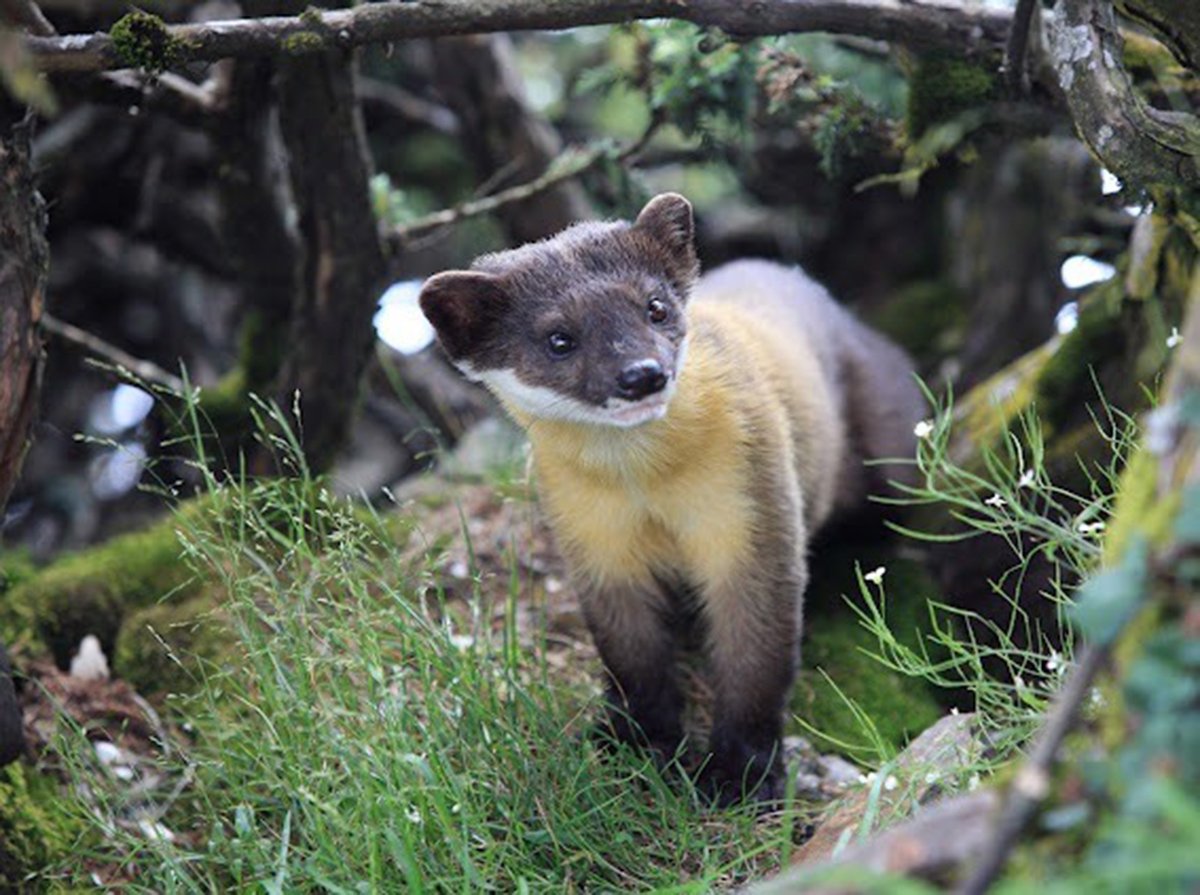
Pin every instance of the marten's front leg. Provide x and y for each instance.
(630, 624)
(753, 622)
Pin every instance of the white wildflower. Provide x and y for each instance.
(1174, 338)
(890, 783)
(932, 777)
(996, 501)
(973, 783)
(154, 831)
(923, 429)
(1026, 480)
(875, 576)
(1055, 662)
(1090, 528)
(413, 815)
(462, 641)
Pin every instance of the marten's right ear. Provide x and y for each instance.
(667, 219)
(464, 306)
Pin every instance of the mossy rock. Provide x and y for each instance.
(15, 568)
(91, 591)
(166, 648)
(836, 648)
(38, 830)
(926, 318)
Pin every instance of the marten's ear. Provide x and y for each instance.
(464, 306)
(667, 219)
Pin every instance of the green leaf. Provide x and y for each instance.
(1187, 522)
(1107, 601)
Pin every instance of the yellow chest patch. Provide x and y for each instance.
(667, 497)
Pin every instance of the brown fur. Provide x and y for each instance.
(705, 510)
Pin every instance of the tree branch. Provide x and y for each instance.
(569, 164)
(929, 24)
(1135, 141)
(399, 103)
(144, 370)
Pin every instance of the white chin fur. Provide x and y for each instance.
(545, 403)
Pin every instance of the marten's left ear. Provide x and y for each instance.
(465, 307)
(667, 219)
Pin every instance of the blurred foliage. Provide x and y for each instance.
(721, 95)
(39, 828)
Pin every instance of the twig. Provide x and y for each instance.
(928, 24)
(407, 106)
(177, 97)
(569, 164)
(1017, 46)
(142, 369)
(1032, 782)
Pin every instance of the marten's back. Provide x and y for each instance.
(867, 379)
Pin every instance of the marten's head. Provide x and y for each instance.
(587, 326)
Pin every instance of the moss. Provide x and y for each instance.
(836, 643)
(165, 648)
(1100, 337)
(303, 42)
(942, 87)
(312, 17)
(38, 830)
(926, 318)
(261, 350)
(989, 408)
(91, 591)
(142, 40)
(15, 568)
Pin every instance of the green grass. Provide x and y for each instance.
(365, 734)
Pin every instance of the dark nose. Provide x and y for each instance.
(640, 379)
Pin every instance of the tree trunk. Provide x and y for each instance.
(23, 264)
(343, 269)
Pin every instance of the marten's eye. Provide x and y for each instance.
(657, 311)
(560, 344)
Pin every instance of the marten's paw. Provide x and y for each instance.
(744, 775)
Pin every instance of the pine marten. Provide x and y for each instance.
(689, 435)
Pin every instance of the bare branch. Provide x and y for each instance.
(569, 164)
(407, 106)
(142, 369)
(928, 24)
(172, 95)
(26, 14)
(1132, 139)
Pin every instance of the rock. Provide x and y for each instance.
(489, 447)
(937, 840)
(839, 772)
(818, 778)
(939, 754)
(90, 663)
(12, 736)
